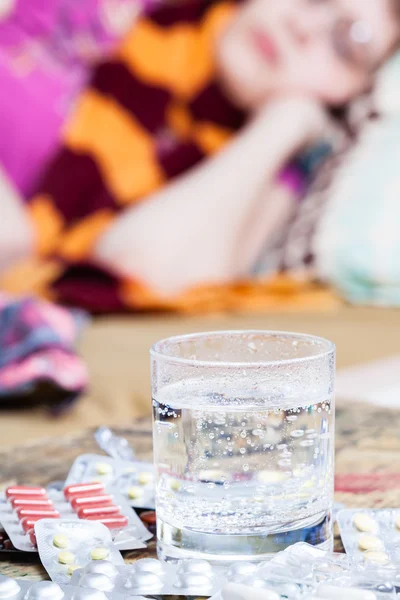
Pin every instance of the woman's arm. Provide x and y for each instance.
(205, 226)
(16, 232)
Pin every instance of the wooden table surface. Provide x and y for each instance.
(367, 459)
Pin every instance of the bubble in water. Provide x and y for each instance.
(242, 450)
(211, 436)
(176, 434)
(243, 434)
(246, 467)
(297, 433)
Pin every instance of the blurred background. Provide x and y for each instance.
(169, 166)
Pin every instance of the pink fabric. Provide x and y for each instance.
(47, 49)
(37, 340)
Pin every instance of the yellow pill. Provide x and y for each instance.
(378, 558)
(61, 541)
(65, 557)
(310, 483)
(364, 522)
(368, 542)
(103, 468)
(99, 554)
(145, 477)
(259, 499)
(135, 492)
(175, 485)
(72, 568)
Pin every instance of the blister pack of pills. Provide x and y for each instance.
(234, 591)
(304, 572)
(67, 545)
(150, 576)
(23, 589)
(195, 577)
(90, 501)
(371, 537)
(134, 480)
(22, 506)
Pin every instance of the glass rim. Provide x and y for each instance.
(329, 349)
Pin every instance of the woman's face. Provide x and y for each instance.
(325, 48)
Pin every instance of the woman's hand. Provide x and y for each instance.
(301, 119)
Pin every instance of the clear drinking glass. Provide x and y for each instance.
(243, 429)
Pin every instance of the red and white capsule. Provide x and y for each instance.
(112, 522)
(36, 512)
(98, 509)
(79, 489)
(90, 500)
(31, 501)
(28, 523)
(20, 491)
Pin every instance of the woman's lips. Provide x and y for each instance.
(265, 46)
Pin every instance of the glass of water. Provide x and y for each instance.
(243, 429)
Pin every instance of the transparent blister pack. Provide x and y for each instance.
(198, 577)
(67, 545)
(22, 506)
(134, 480)
(114, 445)
(353, 586)
(371, 538)
(150, 576)
(23, 589)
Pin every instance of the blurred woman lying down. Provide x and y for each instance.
(182, 163)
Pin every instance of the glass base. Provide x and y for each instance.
(179, 543)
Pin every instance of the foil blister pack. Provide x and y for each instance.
(372, 538)
(134, 480)
(23, 589)
(22, 506)
(67, 545)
